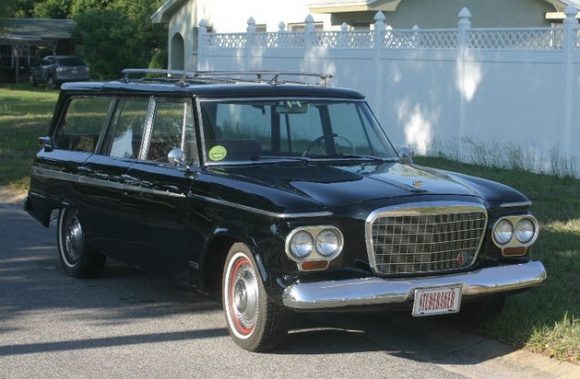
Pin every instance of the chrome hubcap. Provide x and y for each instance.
(73, 239)
(245, 297)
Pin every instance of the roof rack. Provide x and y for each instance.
(182, 77)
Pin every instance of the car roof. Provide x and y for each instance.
(61, 56)
(219, 84)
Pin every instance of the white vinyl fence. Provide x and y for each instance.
(499, 97)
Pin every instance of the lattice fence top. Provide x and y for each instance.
(384, 37)
(537, 38)
(530, 39)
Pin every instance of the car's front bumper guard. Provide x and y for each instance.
(374, 291)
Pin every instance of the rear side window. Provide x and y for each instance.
(81, 125)
(131, 116)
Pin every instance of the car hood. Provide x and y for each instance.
(332, 186)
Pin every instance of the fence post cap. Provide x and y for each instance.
(570, 12)
(464, 13)
(380, 16)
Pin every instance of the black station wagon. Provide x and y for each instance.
(280, 194)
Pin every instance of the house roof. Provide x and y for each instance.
(562, 4)
(164, 13)
(168, 9)
(34, 30)
(336, 6)
(328, 6)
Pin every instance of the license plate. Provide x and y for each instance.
(75, 71)
(436, 301)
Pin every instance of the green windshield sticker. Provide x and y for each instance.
(217, 153)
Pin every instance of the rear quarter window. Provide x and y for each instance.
(80, 126)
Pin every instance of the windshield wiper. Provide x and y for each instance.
(356, 158)
(281, 158)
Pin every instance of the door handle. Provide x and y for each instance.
(130, 179)
(84, 170)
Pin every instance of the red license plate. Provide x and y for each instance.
(436, 301)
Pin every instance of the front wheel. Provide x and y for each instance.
(77, 259)
(254, 322)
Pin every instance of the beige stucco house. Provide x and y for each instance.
(229, 16)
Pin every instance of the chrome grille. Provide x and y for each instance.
(425, 239)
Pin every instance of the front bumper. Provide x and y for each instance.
(375, 291)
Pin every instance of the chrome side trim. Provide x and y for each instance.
(261, 211)
(75, 178)
(65, 176)
(516, 205)
(375, 291)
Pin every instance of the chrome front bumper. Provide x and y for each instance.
(375, 291)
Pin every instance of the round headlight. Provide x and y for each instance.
(503, 232)
(525, 230)
(301, 244)
(328, 242)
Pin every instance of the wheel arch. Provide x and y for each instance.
(43, 209)
(214, 257)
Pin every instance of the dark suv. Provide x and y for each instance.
(282, 196)
(57, 69)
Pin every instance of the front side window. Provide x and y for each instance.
(171, 122)
(246, 130)
(80, 127)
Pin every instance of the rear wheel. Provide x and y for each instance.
(77, 259)
(254, 322)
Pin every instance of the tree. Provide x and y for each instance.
(18, 8)
(112, 35)
(109, 34)
(53, 9)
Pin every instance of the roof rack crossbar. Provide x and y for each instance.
(182, 77)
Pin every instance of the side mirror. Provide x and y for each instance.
(406, 155)
(46, 143)
(176, 157)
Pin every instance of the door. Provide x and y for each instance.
(155, 201)
(75, 138)
(104, 183)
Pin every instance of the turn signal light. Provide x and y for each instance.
(313, 265)
(514, 251)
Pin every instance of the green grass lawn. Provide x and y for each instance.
(545, 319)
(25, 113)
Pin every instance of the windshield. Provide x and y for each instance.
(301, 128)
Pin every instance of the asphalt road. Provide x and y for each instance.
(129, 324)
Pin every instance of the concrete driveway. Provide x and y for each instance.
(132, 325)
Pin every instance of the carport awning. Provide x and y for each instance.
(35, 29)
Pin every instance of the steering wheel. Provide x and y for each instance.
(318, 142)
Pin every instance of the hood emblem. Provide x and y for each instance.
(417, 184)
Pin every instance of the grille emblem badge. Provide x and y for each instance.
(463, 258)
